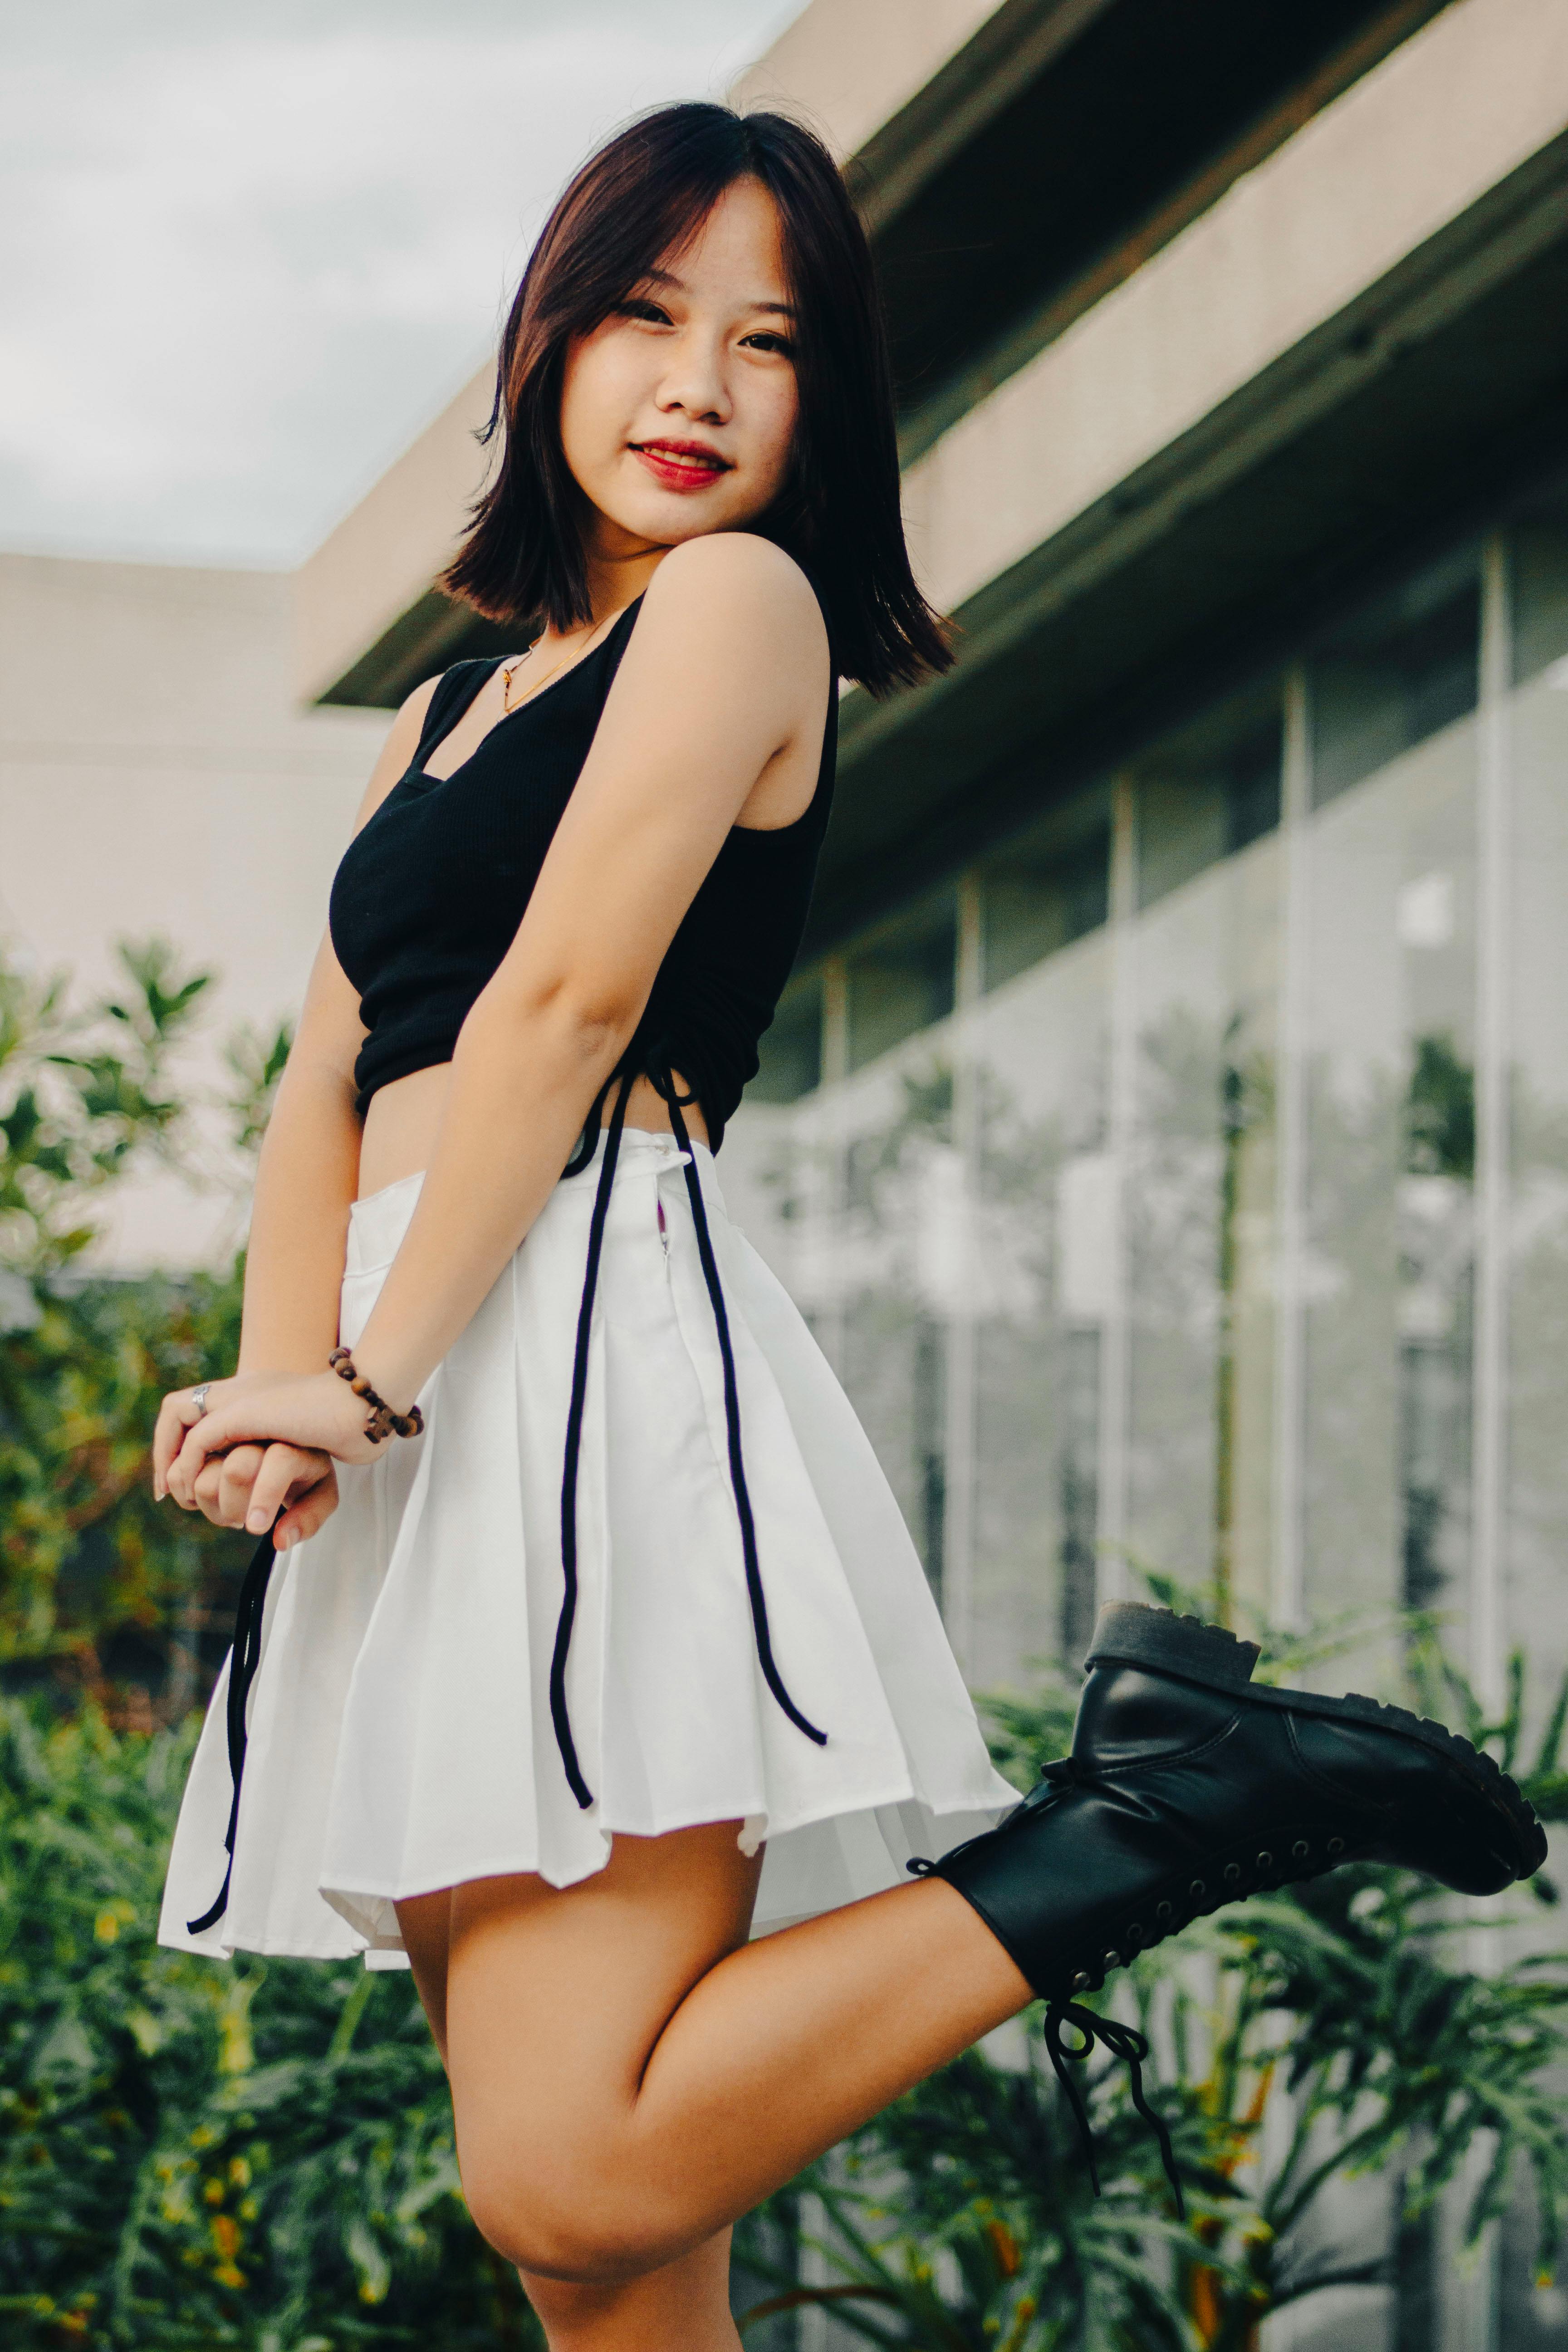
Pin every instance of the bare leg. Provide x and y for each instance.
(684, 2307)
(685, 2303)
(627, 2082)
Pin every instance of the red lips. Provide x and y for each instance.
(681, 464)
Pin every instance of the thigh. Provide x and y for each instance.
(553, 2000)
(426, 1921)
(559, 1994)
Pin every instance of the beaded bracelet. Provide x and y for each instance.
(381, 1421)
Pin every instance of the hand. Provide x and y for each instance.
(179, 1411)
(245, 1487)
(311, 1410)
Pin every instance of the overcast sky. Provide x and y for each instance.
(247, 251)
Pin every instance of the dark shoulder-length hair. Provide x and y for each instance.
(638, 200)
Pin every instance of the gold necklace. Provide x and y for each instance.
(509, 672)
(567, 662)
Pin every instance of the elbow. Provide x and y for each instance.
(561, 1026)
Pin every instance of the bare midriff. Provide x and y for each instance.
(400, 1124)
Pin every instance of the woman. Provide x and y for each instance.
(598, 1640)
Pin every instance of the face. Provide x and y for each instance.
(677, 413)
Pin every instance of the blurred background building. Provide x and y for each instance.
(1167, 1129)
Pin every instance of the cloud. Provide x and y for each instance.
(247, 254)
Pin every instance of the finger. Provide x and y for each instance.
(175, 1415)
(205, 1492)
(213, 1433)
(237, 1477)
(279, 1471)
(309, 1513)
(202, 1439)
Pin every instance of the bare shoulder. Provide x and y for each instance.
(739, 587)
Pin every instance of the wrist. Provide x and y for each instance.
(383, 1419)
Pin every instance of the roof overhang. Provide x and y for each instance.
(1369, 331)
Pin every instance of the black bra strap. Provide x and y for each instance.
(242, 1666)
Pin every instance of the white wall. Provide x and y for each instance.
(157, 776)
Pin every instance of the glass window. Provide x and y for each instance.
(1537, 890)
(1405, 667)
(1389, 876)
(1037, 1280)
(901, 980)
(789, 1053)
(1208, 790)
(1046, 888)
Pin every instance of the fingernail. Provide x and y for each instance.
(257, 1522)
(289, 1537)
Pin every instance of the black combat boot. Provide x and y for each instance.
(1185, 1789)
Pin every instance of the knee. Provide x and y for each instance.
(559, 2219)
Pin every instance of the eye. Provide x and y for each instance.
(638, 306)
(767, 339)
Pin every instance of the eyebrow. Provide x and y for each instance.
(667, 278)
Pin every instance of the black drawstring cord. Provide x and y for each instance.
(559, 1714)
(1122, 2040)
(242, 1666)
(754, 1594)
(664, 1083)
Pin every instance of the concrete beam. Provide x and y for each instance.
(381, 559)
(1450, 114)
(848, 66)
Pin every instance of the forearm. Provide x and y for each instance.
(524, 1076)
(305, 1184)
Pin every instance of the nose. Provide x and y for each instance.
(696, 381)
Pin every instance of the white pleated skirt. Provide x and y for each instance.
(400, 1731)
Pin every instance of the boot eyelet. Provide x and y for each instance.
(1135, 1933)
(1161, 1910)
(1197, 1890)
(1232, 1872)
(1336, 1845)
(1266, 1862)
(1301, 1850)
(1111, 1960)
(1081, 1982)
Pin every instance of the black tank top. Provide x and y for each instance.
(431, 890)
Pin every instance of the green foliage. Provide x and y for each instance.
(86, 1094)
(964, 2219)
(194, 2156)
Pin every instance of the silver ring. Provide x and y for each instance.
(199, 1398)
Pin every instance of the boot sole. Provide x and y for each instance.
(1132, 1633)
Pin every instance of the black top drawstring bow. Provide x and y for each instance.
(664, 1083)
(242, 1665)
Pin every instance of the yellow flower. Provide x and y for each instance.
(106, 1927)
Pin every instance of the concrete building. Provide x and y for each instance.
(150, 741)
(1167, 1129)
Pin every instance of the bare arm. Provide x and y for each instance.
(305, 1181)
(727, 668)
